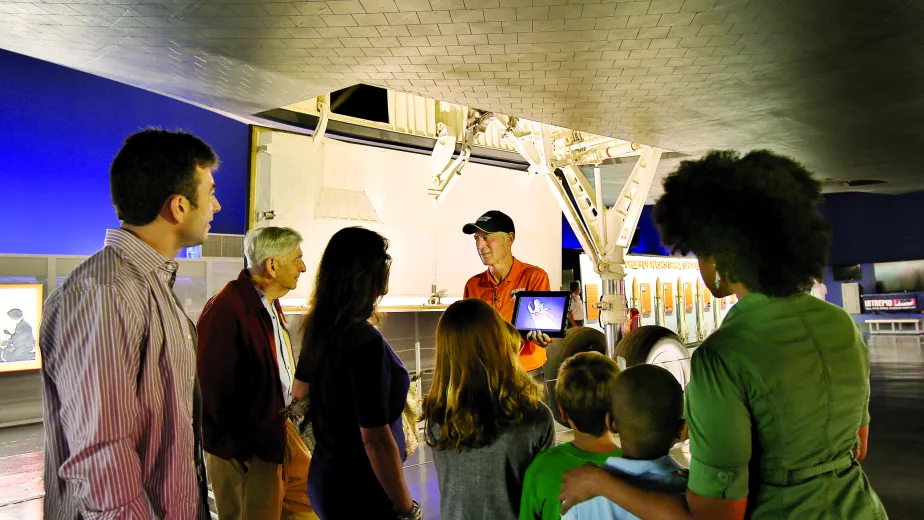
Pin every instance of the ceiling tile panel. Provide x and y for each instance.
(687, 75)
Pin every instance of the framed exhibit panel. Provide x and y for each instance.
(668, 298)
(688, 296)
(646, 299)
(592, 294)
(20, 316)
(707, 297)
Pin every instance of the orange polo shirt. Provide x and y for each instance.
(522, 277)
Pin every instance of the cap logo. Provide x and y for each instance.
(483, 219)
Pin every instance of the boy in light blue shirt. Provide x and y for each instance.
(648, 415)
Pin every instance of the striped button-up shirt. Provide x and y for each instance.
(120, 392)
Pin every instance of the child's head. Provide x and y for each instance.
(647, 411)
(583, 391)
(479, 388)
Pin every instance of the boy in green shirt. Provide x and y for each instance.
(583, 395)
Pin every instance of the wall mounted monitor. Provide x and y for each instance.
(846, 273)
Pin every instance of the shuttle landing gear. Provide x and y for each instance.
(603, 232)
(654, 345)
(556, 153)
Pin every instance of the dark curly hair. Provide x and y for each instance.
(756, 215)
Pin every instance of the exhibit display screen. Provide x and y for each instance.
(545, 311)
(894, 277)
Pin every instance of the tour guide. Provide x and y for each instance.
(506, 276)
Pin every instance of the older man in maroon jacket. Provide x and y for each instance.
(257, 463)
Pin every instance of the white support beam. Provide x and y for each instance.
(574, 217)
(603, 232)
(584, 206)
(263, 178)
(445, 169)
(323, 118)
(634, 194)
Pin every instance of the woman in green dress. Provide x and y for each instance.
(777, 404)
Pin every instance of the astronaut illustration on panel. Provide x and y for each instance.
(20, 314)
(18, 344)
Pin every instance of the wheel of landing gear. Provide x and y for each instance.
(577, 340)
(656, 345)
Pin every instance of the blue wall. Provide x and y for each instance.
(867, 228)
(649, 241)
(568, 238)
(61, 128)
(870, 228)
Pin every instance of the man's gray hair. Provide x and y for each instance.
(268, 242)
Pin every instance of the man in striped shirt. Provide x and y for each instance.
(121, 400)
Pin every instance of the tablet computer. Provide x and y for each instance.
(545, 311)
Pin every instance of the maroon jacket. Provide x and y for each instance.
(242, 399)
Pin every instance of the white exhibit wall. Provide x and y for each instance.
(647, 270)
(319, 191)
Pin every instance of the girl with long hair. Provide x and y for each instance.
(485, 419)
(358, 386)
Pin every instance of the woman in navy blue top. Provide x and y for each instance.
(357, 384)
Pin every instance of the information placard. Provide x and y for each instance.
(886, 303)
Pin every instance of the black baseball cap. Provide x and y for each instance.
(491, 222)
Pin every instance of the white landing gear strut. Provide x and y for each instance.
(603, 232)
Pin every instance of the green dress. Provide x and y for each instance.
(775, 400)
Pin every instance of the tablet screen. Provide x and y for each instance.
(545, 311)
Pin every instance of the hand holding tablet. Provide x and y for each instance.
(540, 338)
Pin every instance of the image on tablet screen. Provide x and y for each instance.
(544, 313)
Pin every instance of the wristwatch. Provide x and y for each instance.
(414, 514)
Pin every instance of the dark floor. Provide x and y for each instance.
(895, 459)
(422, 483)
(20, 440)
(894, 463)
